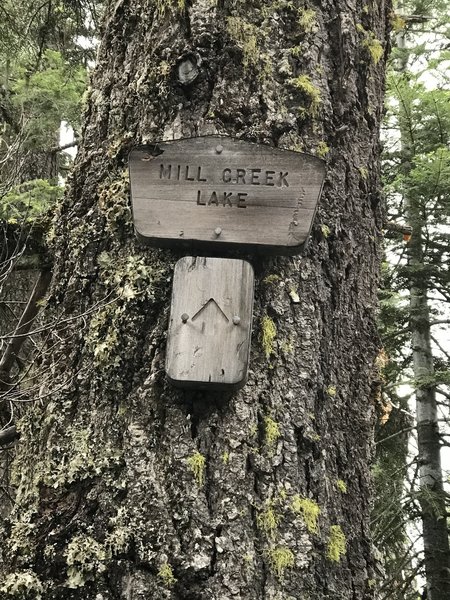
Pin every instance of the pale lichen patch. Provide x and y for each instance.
(268, 335)
(22, 584)
(166, 575)
(85, 558)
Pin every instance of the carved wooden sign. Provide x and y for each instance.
(221, 193)
(208, 341)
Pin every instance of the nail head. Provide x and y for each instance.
(236, 320)
(219, 149)
(218, 231)
(184, 317)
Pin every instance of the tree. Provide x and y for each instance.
(126, 486)
(417, 171)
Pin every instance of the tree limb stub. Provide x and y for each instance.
(8, 435)
(23, 327)
(398, 228)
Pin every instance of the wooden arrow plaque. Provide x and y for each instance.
(208, 341)
(218, 193)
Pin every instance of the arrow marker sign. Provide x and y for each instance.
(208, 341)
(213, 303)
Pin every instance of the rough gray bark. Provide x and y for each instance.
(128, 488)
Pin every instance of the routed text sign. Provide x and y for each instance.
(217, 191)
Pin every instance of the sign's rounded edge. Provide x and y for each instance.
(216, 246)
(313, 218)
(204, 385)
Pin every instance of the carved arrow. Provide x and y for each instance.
(210, 301)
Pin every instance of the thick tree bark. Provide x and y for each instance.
(129, 488)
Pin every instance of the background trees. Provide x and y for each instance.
(415, 301)
(43, 77)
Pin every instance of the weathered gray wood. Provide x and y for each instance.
(210, 323)
(261, 198)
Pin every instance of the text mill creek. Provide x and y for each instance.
(208, 196)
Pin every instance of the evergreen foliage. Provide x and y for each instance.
(44, 54)
(414, 298)
(45, 98)
(28, 201)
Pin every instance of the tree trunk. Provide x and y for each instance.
(129, 488)
(432, 497)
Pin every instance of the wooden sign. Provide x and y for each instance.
(219, 193)
(208, 342)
